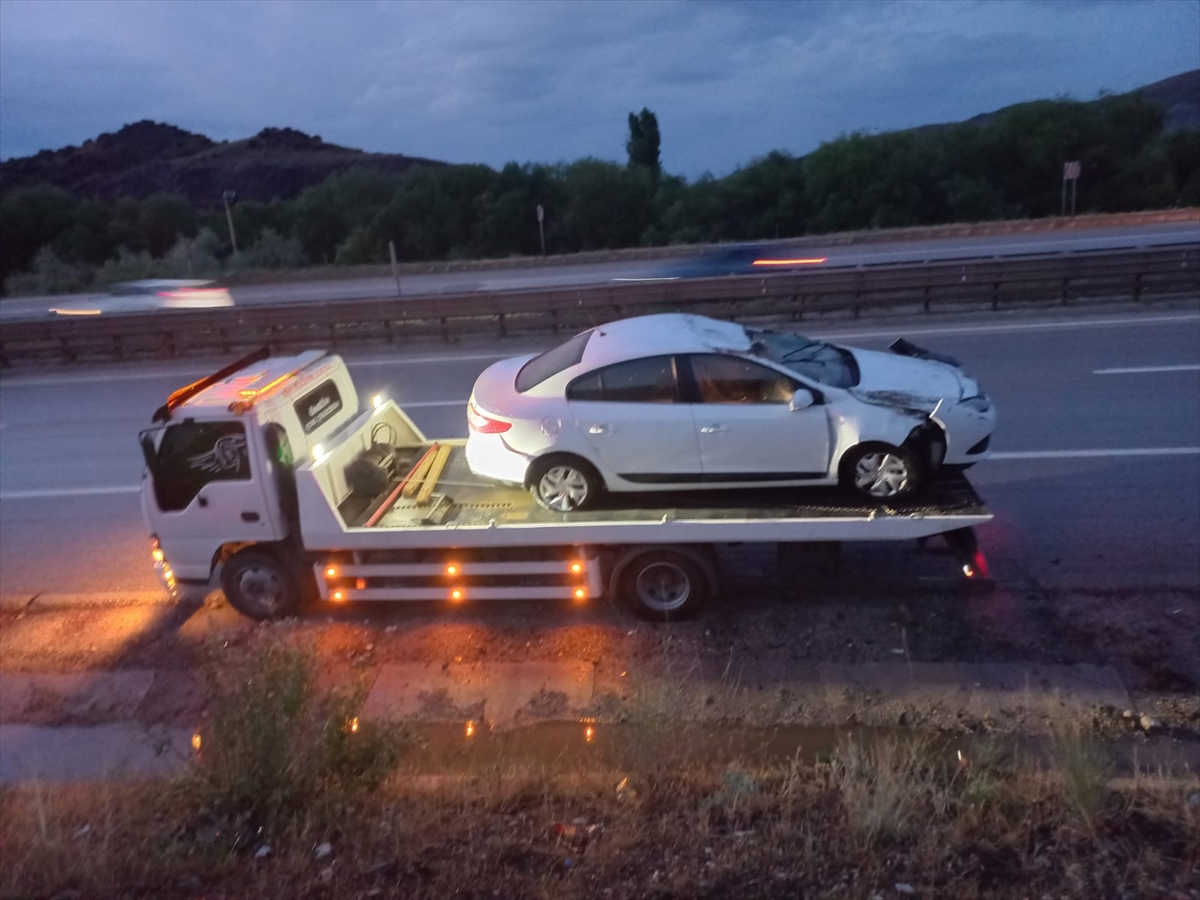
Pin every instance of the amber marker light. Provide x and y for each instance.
(470, 729)
(576, 567)
(589, 733)
(352, 725)
(339, 596)
(157, 555)
(580, 594)
(196, 741)
(814, 261)
(452, 569)
(331, 572)
(456, 594)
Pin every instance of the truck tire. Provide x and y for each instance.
(260, 585)
(878, 472)
(662, 585)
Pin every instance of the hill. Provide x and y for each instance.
(147, 157)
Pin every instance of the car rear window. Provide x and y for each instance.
(553, 361)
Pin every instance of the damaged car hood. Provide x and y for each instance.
(889, 379)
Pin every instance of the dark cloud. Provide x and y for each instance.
(549, 81)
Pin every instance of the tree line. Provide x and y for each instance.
(1006, 166)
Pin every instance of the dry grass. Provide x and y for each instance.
(659, 813)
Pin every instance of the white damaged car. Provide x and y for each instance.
(683, 402)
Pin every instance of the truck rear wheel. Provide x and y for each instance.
(260, 585)
(662, 585)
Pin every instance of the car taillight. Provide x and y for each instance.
(484, 424)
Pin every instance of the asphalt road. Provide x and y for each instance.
(1096, 480)
(563, 275)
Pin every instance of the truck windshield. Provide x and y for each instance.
(815, 360)
(553, 361)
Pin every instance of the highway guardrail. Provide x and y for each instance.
(992, 283)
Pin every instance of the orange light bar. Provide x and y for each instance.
(816, 260)
(256, 392)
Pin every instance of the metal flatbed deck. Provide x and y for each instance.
(463, 500)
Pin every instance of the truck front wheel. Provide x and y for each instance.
(260, 585)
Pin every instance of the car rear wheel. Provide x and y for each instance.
(565, 484)
(880, 472)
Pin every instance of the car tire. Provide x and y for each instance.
(880, 472)
(260, 585)
(564, 483)
(662, 585)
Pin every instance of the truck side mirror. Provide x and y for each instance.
(149, 454)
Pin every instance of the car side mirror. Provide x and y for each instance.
(802, 399)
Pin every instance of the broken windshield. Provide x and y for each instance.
(815, 360)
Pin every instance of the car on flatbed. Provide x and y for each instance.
(682, 402)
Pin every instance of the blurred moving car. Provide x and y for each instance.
(744, 259)
(677, 401)
(148, 295)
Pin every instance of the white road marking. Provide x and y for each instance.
(70, 492)
(1090, 454)
(1141, 370)
(989, 329)
(18, 381)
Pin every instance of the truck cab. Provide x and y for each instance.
(220, 459)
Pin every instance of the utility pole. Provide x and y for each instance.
(541, 214)
(1071, 172)
(230, 198)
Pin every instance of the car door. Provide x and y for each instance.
(746, 426)
(630, 416)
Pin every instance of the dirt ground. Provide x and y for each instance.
(759, 634)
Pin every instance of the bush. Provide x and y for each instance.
(50, 275)
(275, 748)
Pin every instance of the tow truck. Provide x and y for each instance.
(273, 479)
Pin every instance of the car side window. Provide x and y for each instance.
(649, 380)
(730, 379)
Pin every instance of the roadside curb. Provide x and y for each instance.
(17, 602)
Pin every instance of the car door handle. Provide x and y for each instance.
(713, 429)
(601, 429)
(249, 517)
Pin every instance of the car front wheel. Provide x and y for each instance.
(880, 472)
(565, 484)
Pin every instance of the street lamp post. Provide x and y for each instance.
(230, 198)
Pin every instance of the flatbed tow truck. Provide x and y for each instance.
(272, 479)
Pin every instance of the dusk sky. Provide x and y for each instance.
(549, 81)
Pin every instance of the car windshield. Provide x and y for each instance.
(552, 362)
(815, 360)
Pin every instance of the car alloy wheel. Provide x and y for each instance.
(563, 488)
(880, 473)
